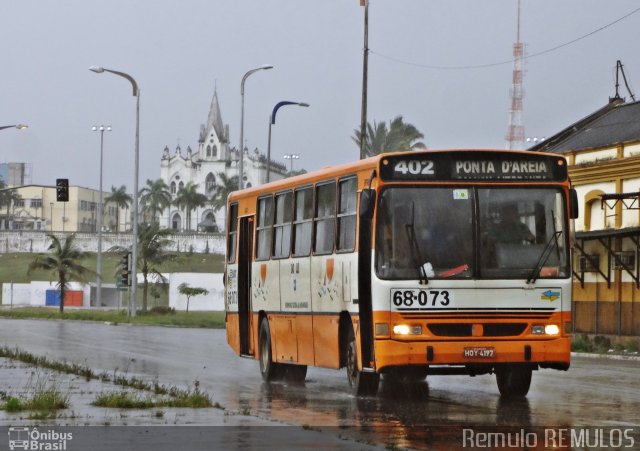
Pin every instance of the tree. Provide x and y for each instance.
(189, 292)
(9, 197)
(397, 137)
(63, 261)
(226, 185)
(154, 198)
(188, 199)
(152, 252)
(121, 199)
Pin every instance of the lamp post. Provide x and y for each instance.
(272, 120)
(51, 209)
(291, 156)
(101, 129)
(134, 247)
(241, 166)
(18, 126)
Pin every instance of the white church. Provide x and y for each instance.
(214, 157)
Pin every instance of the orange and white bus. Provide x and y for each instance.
(405, 265)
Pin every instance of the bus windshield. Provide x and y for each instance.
(471, 233)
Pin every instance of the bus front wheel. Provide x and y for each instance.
(513, 380)
(361, 383)
(269, 369)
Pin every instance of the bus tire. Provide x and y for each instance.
(361, 383)
(514, 380)
(269, 369)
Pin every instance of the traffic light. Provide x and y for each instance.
(124, 276)
(62, 190)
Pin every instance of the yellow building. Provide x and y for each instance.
(38, 210)
(603, 150)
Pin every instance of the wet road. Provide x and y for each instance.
(594, 392)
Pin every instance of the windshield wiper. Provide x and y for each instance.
(416, 256)
(553, 243)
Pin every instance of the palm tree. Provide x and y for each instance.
(9, 197)
(188, 198)
(226, 185)
(63, 261)
(152, 252)
(154, 198)
(397, 137)
(121, 199)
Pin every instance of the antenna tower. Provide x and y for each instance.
(515, 132)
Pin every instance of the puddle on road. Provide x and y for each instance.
(18, 380)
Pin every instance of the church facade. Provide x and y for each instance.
(204, 168)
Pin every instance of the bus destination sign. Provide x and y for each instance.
(473, 166)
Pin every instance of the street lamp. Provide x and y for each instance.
(101, 129)
(18, 126)
(134, 247)
(241, 167)
(272, 120)
(291, 156)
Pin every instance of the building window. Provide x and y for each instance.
(210, 182)
(208, 151)
(589, 263)
(180, 186)
(624, 260)
(18, 203)
(215, 150)
(173, 187)
(36, 203)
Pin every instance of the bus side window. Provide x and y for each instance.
(347, 214)
(233, 233)
(324, 223)
(264, 228)
(282, 225)
(302, 222)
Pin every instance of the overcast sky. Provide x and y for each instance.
(179, 50)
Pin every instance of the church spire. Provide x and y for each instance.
(215, 119)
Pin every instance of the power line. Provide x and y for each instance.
(509, 61)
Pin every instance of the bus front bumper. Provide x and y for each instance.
(552, 353)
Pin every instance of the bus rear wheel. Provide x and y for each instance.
(361, 383)
(514, 380)
(269, 369)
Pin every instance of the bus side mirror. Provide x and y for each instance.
(574, 206)
(367, 203)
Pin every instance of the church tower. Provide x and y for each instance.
(213, 143)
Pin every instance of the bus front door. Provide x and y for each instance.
(244, 284)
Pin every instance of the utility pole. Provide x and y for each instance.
(365, 69)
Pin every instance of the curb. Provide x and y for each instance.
(591, 355)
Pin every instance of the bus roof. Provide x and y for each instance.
(359, 166)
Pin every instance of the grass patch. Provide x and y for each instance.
(602, 345)
(174, 396)
(159, 317)
(45, 399)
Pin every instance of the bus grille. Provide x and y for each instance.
(489, 329)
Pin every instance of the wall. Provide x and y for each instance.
(33, 241)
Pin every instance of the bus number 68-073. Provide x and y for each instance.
(420, 298)
(414, 167)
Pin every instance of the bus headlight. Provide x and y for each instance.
(404, 329)
(551, 329)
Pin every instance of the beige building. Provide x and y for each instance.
(603, 150)
(38, 210)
